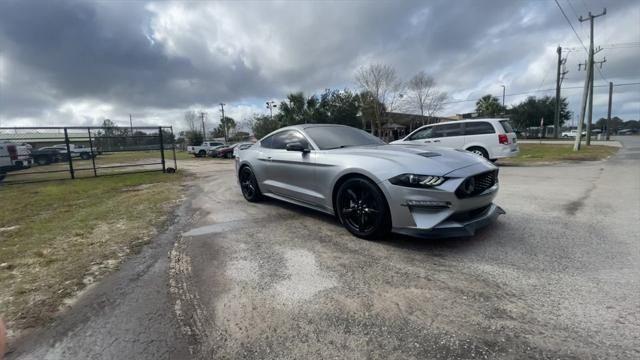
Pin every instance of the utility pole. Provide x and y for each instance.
(591, 53)
(588, 91)
(222, 121)
(503, 92)
(590, 113)
(559, 77)
(131, 124)
(609, 111)
(204, 131)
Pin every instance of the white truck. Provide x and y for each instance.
(13, 157)
(203, 150)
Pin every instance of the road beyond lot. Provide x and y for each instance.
(557, 277)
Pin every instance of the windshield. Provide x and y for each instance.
(334, 137)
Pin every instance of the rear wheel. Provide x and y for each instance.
(362, 209)
(479, 151)
(85, 156)
(229, 155)
(249, 185)
(43, 160)
(202, 153)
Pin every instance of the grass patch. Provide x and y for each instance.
(135, 156)
(542, 153)
(58, 237)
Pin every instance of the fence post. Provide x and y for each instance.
(164, 169)
(93, 156)
(66, 141)
(173, 145)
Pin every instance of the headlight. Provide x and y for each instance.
(417, 181)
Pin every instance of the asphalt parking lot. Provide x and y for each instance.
(558, 276)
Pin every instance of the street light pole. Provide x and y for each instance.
(222, 121)
(270, 105)
(503, 92)
(204, 131)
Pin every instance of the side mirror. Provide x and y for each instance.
(296, 146)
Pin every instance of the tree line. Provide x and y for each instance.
(380, 90)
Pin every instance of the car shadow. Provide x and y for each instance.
(434, 245)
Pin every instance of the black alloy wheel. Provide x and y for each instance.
(362, 209)
(249, 185)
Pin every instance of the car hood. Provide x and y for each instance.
(417, 159)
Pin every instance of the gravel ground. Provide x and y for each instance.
(557, 277)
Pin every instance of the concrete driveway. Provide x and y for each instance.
(557, 277)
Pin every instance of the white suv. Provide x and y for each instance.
(491, 138)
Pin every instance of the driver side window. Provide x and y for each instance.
(425, 133)
(280, 140)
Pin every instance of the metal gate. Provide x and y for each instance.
(34, 154)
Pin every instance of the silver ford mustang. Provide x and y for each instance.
(372, 187)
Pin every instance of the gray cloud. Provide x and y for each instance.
(76, 61)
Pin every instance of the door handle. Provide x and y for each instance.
(427, 141)
(436, 140)
(268, 158)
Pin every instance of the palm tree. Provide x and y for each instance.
(489, 106)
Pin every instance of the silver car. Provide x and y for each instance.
(372, 187)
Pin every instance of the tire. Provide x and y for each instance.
(202, 153)
(2, 176)
(362, 209)
(85, 156)
(42, 160)
(249, 185)
(229, 155)
(479, 151)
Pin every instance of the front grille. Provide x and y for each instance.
(477, 184)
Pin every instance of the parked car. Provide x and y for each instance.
(225, 151)
(240, 147)
(77, 151)
(572, 133)
(81, 151)
(214, 150)
(203, 150)
(46, 156)
(490, 138)
(372, 187)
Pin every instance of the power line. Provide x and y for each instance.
(570, 24)
(577, 35)
(542, 90)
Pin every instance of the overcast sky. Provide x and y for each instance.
(78, 62)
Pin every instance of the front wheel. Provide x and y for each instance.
(362, 209)
(249, 185)
(202, 153)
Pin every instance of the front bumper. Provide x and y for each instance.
(438, 211)
(453, 228)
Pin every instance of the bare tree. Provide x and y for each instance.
(382, 83)
(436, 103)
(424, 96)
(191, 121)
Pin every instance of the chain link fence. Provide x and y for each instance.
(34, 154)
